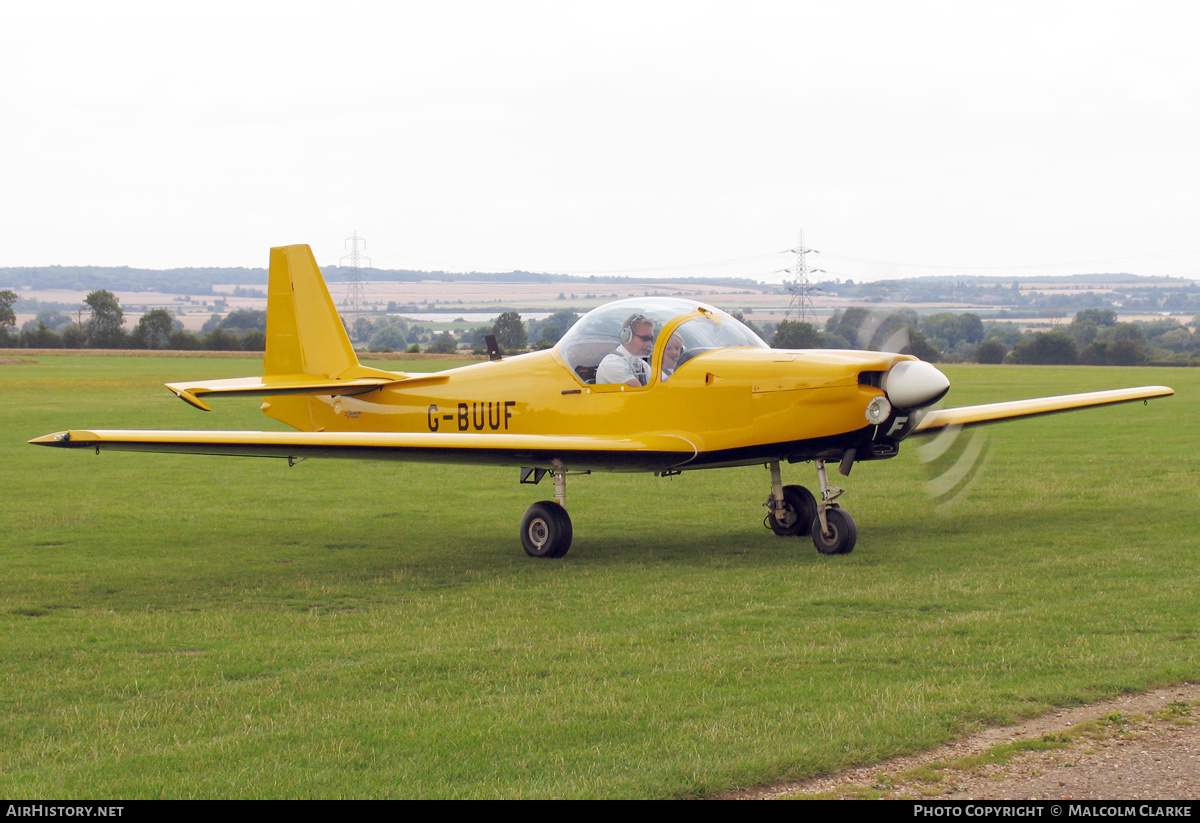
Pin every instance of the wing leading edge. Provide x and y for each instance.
(593, 453)
(1013, 409)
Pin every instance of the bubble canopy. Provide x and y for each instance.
(703, 328)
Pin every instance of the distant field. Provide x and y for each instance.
(447, 296)
(180, 626)
(762, 304)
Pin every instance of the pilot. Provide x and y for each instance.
(671, 355)
(626, 364)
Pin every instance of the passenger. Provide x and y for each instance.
(625, 365)
(671, 355)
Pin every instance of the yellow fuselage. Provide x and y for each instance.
(735, 405)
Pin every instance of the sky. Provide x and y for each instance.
(637, 138)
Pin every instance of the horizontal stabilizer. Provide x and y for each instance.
(655, 452)
(295, 384)
(999, 412)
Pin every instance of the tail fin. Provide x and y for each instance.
(309, 359)
(305, 335)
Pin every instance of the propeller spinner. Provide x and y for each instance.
(914, 384)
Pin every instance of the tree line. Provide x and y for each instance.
(1092, 337)
(99, 323)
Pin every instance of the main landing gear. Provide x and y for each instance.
(546, 527)
(793, 510)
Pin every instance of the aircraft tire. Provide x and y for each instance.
(546, 530)
(843, 533)
(799, 503)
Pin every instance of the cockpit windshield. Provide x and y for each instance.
(605, 331)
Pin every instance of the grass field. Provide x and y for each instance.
(180, 626)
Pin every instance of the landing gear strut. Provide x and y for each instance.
(790, 509)
(793, 510)
(546, 527)
(833, 532)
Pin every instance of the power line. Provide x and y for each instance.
(354, 290)
(800, 286)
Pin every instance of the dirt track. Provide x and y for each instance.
(1142, 746)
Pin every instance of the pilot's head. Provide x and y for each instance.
(637, 335)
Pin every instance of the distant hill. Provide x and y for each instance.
(202, 280)
(124, 278)
(1042, 293)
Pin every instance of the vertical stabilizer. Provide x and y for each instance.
(305, 335)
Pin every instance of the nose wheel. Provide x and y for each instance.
(839, 534)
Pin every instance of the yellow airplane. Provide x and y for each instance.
(658, 384)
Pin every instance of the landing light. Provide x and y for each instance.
(878, 410)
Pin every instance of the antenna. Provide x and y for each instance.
(354, 280)
(799, 285)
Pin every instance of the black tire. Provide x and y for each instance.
(546, 530)
(799, 509)
(843, 534)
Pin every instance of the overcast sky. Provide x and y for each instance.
(666, 138)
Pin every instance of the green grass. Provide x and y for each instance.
(179, 626)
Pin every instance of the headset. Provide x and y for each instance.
(632, 323)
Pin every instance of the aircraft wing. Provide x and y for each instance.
(655, 452)
(999, 412)
(294, 384)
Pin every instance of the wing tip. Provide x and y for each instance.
(60, 439)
